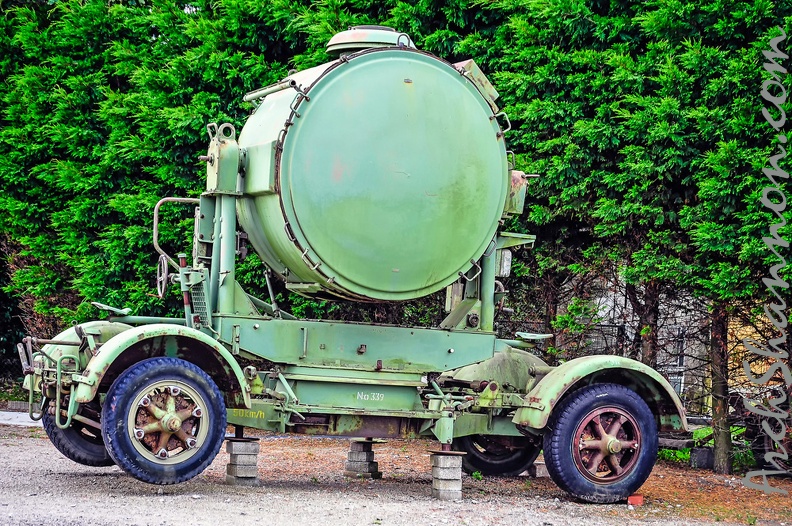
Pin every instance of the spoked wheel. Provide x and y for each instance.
(163, 421)
(79, 442)
(601, 444)
(496, 455)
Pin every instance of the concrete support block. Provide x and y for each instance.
(361, 467)
(241, 481)
(242, 448)
(446, 461)
(360, 460)
(442, 494)
(537, 470)
(241, 471)
(244, 460)
(360, 446)
(446, 476)
(360, 456)
(446, 473)
(447, 485)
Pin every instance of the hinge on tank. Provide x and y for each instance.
(289, 233)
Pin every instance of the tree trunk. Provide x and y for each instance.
(719, 358)
(647, 308)
(551, 307)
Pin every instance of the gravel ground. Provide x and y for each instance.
(302, 483)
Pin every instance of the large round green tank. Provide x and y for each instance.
(377, 177)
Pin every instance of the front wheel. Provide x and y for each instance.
(601, 443)
(163, 421)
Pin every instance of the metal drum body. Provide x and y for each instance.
(383, 180)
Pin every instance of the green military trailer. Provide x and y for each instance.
(380, 176)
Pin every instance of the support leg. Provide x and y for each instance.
(360, 460)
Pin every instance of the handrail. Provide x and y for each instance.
(156, 223)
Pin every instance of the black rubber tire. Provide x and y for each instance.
(491, 459)
(559, 440)
(120, 404)
(79, 443)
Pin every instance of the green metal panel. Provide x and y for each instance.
(392, 179)
(365, 397)
(261, 415)
(379, 348)
(612, 369)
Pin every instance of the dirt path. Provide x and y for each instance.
(303, 484)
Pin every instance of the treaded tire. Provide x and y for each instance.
(494, 462)
(560, 439)
(76, 444)
(151, 379)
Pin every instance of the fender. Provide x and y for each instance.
(163, 339)
(648, 383)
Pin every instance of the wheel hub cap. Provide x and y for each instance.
(167, 425)
(608, 443)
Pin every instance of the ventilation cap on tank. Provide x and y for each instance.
(358, 38)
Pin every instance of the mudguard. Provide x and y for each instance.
(147, 341)
(648, 383)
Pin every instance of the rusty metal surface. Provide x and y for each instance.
(364, 426)
(606, 445)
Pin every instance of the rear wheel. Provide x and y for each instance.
(79, 442)
(601, 443)
(163, 421)
(496, 455)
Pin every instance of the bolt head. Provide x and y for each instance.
(139, 434)
(174, 391)
(191, 443)
(197, 412)
(145, 401)
(162, 453)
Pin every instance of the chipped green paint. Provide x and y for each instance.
(172, 340)
(647, 382)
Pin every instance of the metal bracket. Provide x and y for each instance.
(503, 131)
(235, 333)
(463, 276)
(307, 261)
(241, 245)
